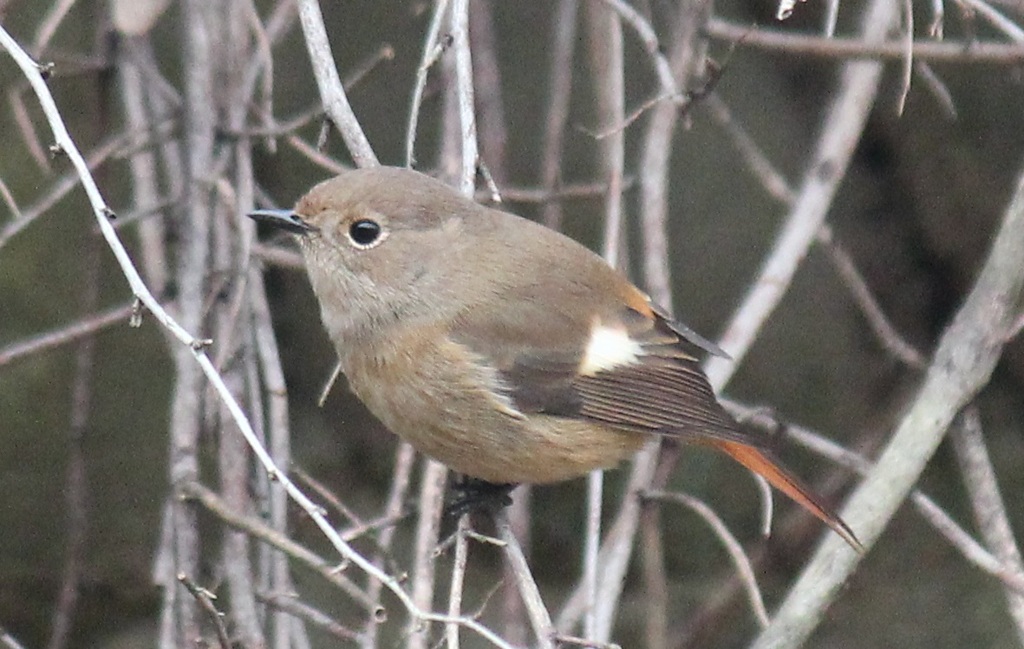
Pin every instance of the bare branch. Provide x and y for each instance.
(205, 599)
(989, 509)
(557, 116)
(49, 25)
(540, 619)
(76, 486)
(8, 640)
(991, 15)
(404, 460)
(332, 93)
(70, 333)
(464, 93)
(963, 363)
(458, 580)
(797, 44)
(290, 604)
(432, 51)
(886, 333)
(840, 132)
(774, 183)
(925, 505)
(608, 78)
(650, 42)
(424, 573)
(739, 558)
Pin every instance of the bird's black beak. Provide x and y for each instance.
(286, 220)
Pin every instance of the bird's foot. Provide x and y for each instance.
(473, 494)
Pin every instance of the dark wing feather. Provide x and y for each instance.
(664, 392)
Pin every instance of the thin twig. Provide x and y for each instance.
(288, 603)
(278, 431)
(884, 331)
(840, 132)
(935, 26)
(608, 78)
(464, 93)
(617, 548)
(687, 56)
(76, 488)
(332, 93)
(514, 619)
(277, 256)
(649, 39)
(557, 115)
(968, 546)
(49, 25)
(405, 458)
(15, 96)
(12, 205)
(774, 183)
(205, 599)
(652, 561)
(831, 18)
(989, 509)
(424, 569)
(576, 641)
(458, 580)
(490, 100)
(739, 558)
(536, 611)
(67, 334)
(938, 88)
(991, 15)
(797, 44)
(432, 51)
(259, 530)
(68, 181)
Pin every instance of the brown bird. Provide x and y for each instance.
(501, 348)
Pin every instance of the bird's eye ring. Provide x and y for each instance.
(365, 233)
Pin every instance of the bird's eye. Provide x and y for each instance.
(365, 233)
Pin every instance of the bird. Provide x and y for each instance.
(501, 348)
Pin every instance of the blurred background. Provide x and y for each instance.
(84, 432)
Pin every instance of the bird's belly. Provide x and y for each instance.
(541, 449)
(459, 422)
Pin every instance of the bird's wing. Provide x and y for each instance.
(614, 365)
(625, 365)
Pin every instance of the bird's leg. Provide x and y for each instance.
(473, 494)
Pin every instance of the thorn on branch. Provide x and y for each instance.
(325, 131)
(56, 150)
(206, 599)
(1017, 327)
(492, 186)
(46, 70)
(199, 344)
(135, 321)
(110, 214)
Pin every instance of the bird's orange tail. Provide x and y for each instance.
(761, 464)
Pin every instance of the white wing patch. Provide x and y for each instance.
(608, 348)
